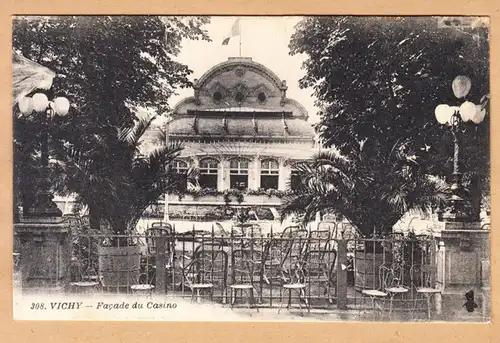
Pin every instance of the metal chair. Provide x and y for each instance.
(393, 285)
(319, 240)
(291, 231)
(247, 235)
(295, 281)
(89, 281)
(423, 280)
(220, 230)
(281, 251)
(273, 258)
(246, 274)
(295, 248)
(377, 295)
(207, 270)
(319, 268)
(143, 285)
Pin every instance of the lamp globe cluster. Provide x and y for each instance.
(40, 103)
(468, 110)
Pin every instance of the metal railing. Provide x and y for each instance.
(333, 269)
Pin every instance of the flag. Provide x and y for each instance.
(28, 76)
(235, 31)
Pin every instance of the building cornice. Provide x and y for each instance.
(247, 63)
(196, 138)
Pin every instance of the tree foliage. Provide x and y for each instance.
(380, 79)
(373, 200)
(130, 180)
(109, 67)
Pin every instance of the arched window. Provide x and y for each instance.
(180, 168)
(238, 172)
(208, 173)
(269, 173)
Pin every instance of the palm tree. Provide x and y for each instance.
(372, 189)
(114, 177)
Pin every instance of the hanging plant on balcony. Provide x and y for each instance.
(239, 196)
(270, 192)
(236, 193)
(227, 197)
(257, 191)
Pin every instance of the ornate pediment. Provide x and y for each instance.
(239, 71)
(242, 88)
(240, 92)
(217, 92)
(261, 88)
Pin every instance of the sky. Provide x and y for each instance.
(264, 39)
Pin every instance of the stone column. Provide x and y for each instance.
(284, 175)
(254, 173)
(223, 181)
(44, 253)
(464, 253)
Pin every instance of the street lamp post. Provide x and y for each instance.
(42, 233)
(43, 205)
(165, 122)
(459, 209)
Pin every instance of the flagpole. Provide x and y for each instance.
(239, 24)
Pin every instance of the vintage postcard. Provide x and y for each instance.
(222, 168)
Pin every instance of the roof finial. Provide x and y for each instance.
(285, 126)
(224, 124)
(283, 88)
(195, 123)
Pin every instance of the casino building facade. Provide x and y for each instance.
(242, 134)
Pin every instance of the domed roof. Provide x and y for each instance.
(239, 83)
(240, 65)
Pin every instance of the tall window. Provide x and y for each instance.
(294, 179)
(269, 174)
(208, 173)
(238, 172)
(180, 168)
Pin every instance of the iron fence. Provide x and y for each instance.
(325, 267)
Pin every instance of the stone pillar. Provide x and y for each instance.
(486, 288)
(284, 175)
(464, 251)
(44, 253)
(254, 173)
(223, 181)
